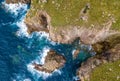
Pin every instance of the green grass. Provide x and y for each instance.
(69, 11)
(102, 73)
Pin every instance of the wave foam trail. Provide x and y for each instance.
(37, 74)
(15, 9)
(22, 29)
(43, 55)
(39, 60)
(27, 79)
(43, 34)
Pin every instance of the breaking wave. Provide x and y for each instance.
(20, 49)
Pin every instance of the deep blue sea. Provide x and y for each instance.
(18, 49)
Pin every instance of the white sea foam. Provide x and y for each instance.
(22, 29)
(53, 43)
(14, 8)
(37, 73)
(39, 60)
(43, 55)
(58, 71)
(27, 79)
(73, 51)
(42, 34)
(76, 78)
(17, 9)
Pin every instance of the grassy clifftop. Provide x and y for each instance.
(75, 12)
(107, 72)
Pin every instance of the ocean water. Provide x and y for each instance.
(18, 49)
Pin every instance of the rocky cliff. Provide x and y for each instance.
(95, 22)
(107, 51)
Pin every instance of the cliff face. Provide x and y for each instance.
(107, 51)
(65, 26)
(95, 22)
(40, 22)
(66, 23)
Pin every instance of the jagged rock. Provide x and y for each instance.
(76, 52)
(52, 61)
(40, 22)
(18, 1)
(87, 35)
(110, 52)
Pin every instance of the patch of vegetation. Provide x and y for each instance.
(107, 72)
(68, 12)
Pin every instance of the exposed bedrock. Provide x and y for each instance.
(107, 51)
(105, 41)
(53, 61)
(40, 22)
(18, 1)
(87, 35)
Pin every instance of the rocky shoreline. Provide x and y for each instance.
(106, 42)
(42, 20)
(107, 51)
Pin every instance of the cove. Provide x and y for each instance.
(18, 49)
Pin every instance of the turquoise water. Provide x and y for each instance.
(18, 49)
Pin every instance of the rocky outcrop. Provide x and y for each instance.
(19, 1)
(53, 61)
(87, 35)
(106, 42)
(107, 51)
(40, 22)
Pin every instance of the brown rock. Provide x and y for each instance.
(53, 61)
(76, 53)
(109, 55)
(40, 22)
(18, 1)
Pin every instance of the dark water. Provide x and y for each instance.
(18, 51)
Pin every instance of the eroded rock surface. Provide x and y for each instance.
(52, 61)
(18, 1)
(107, 51)
(40, 22)
(87, 35)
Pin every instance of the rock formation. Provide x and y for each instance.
(53, 61)
(106, 42)
(40, 22)
(87, 35)
(107, 51)
(18, 1)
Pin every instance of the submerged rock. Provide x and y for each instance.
(53, 61)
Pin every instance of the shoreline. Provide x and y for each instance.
(94, 36)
